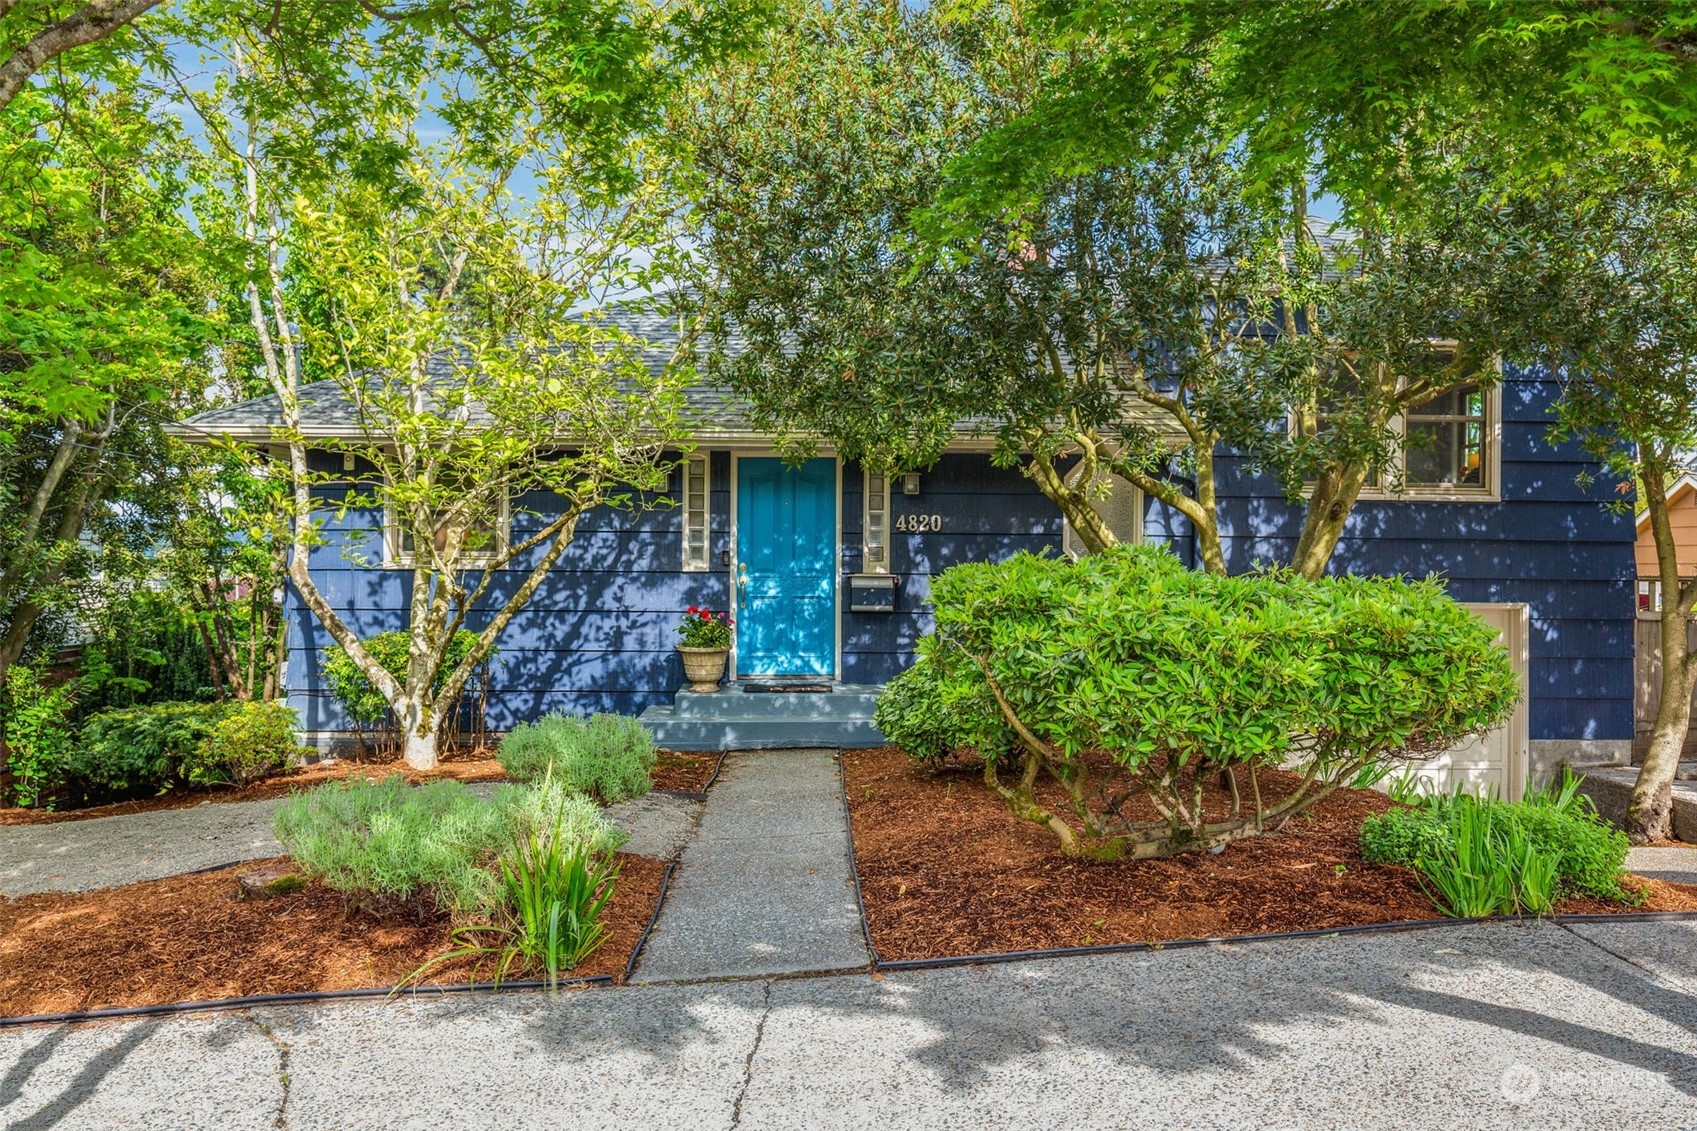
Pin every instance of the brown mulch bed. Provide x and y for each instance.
(682, 771)
(946, 870)
(189, 938)
(675, 771)
(459, 765)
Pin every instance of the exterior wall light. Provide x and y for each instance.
(910, 483)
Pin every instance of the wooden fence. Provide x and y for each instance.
(1647, 692)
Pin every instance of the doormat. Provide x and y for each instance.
(759, 688)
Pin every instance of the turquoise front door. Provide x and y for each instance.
(786, 567)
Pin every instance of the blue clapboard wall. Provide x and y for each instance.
(599, 633)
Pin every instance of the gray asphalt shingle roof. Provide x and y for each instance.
(327, 410)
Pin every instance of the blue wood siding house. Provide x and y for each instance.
(827, 568)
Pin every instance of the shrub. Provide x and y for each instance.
(396, 841)
(393, 841)
(144, 748)
(611, 756)
(252, 741)
(1178, 676)
(1485, 856)
(550, 804)
(932, 713)
(38, 734)
(358, 696)
(558, 873)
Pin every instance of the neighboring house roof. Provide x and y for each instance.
(1682, 516)
(713, 412)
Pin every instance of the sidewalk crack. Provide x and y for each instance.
(1655, 976)
(281, 1121)
(748, 1063)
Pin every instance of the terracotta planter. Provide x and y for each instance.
(704, 667)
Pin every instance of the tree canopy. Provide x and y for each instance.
(1370, 99)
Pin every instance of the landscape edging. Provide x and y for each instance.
(659, 902)
(854, 868)
(302, 997)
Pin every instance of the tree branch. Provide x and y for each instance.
(91, 23)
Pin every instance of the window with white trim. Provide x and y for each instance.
(485, 538)
(1117, 500)
(875, 524)
(1449, 447)
(697, 484)
(1445, 441)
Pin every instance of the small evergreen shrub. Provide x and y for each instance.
(359, 696)
(611, 756)
(931, 714)
(395, 841)
(38, 735)
(1178, 676)
(551, 805)
(1485, 856)
(253, 741)
(132, 749)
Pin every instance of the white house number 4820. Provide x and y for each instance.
(918, 523)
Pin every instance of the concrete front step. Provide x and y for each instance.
(843, 701)
(765, 733)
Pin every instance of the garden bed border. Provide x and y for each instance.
(659, 902)
(303, 997)
(698, 794)
(854, 867)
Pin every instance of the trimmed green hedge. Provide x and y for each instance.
(1038, 663)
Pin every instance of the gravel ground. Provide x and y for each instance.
(108, 851)
(1477, 1027)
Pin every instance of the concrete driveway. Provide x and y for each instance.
(1523, 1026)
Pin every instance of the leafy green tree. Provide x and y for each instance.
(1368, 97)
(1139, 317)
(225, 559)
(464, 329)
(1627, 332)
(102, 325)
(36, 32)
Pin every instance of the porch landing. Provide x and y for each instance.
(735, 718)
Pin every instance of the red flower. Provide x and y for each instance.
(705, 615)
(693, 609)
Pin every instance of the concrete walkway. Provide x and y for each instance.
(1673, 865)
(765, 887)
(1488, 1026)
(107, 851)
(104, 852)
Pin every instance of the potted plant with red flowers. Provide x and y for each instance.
(706, 641)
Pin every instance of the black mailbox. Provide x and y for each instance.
(872, 593)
